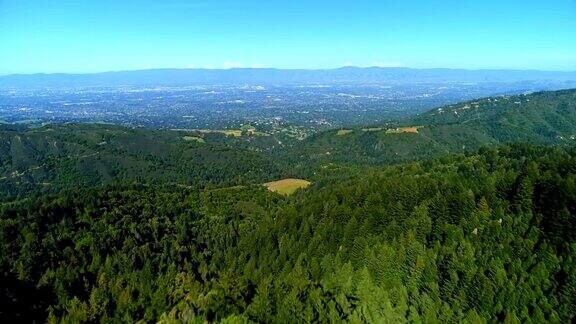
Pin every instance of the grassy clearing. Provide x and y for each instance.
(231, 132)
(399, 130)
(343, 132)
(193, 138)
(227, 132)
(287, 186)
(251, 131)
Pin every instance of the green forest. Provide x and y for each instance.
(469, 219)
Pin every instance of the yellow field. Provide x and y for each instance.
(344, 132)
(232, 132)
(287, 186)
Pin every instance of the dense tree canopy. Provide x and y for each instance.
(488, 236)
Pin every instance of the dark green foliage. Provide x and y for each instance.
(487, 236)
(54, 157)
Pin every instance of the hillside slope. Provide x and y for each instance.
(54, 157)
(488, 237)
(544, 118)
(62, 156)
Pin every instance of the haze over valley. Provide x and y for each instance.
(201, 99)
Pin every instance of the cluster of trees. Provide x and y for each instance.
(489, 236)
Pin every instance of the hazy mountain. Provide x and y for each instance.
(174, 77)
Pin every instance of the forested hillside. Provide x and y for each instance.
(52, 158)
(545, 118)
(55, 157)
(488, 236)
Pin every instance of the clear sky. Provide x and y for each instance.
(104, 35)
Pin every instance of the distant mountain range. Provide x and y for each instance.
(182, 77)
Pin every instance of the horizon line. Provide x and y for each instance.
(290, 69)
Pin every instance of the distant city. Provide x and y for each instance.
(267, 106)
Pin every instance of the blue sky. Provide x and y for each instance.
(105, 35)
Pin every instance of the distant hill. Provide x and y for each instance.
(58, 157)
(179, 77)
(544, 118)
